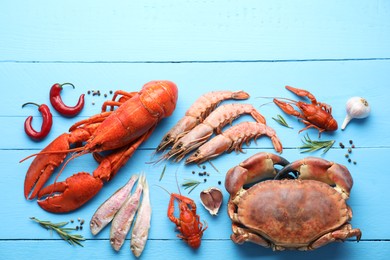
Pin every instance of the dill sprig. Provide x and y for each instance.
(281, 121)
(190, 184)
(163, 171)
(61, 231)
(311, 146)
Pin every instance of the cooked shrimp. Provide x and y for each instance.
(214, 122)
(199, 110)
(233, 139)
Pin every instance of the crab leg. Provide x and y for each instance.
(253, 169)
(313, 168)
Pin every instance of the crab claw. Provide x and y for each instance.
(43, 166)
(70, 194)
(255, 168)
(314, 168)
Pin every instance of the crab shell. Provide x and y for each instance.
(288, 214)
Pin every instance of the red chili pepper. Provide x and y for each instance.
(47, 122)
(58, 104)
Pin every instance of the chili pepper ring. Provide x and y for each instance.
(47, 122)
(58, 104)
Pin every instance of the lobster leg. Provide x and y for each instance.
(78, 189)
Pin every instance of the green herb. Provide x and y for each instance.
(311, 146)
(162, 174)
(190, 183)
(281, 121)
(61, 230)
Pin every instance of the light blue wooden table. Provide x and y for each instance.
(335, 49)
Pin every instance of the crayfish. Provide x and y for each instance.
(317, 115)
(121, 131)
(188, 223)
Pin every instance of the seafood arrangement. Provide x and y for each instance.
(196, 133)
(121, 131)
(304, 213)
(302, 207)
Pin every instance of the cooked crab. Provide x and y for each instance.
(304, 213)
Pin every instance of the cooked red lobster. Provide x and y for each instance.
(121, 131)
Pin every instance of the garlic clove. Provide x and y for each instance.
(211, 199)
(356, 107)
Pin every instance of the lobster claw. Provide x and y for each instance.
(43, 166)
(70, 194)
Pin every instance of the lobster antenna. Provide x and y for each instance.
(163, 189)
(74, 156)
(77, 149)
(177, 183)
(266, 104)
(282, 98)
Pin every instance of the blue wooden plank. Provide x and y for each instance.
(367, 197)
(331, 82)
(174, 249)
(335, 50)
(193, 30)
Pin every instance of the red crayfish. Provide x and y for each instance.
(188, 223)
(317, 115)
(121, 131)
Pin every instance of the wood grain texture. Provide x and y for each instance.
(335, 49)
(175, 30)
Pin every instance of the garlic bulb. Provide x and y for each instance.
(357, 107)
(211, 199)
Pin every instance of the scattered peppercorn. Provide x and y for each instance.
(219, 182)
(77, 227)
(346, 155)
(349, 150)
(93, 103)
(204, 167)
(349, 160)
(193, 172)
(82, 222)
(354, 162)
(71, 221)
(341, 145)
(205, 180)
(88, 92)
(105, 95)
(350, 141)
(81, 227)
(353, 146)
(110, 91)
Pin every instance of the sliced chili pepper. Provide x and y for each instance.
(47, 122)
(58, 104)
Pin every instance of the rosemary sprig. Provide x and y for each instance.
(190, 183)
(163, 171)
(311, 146)
(61, 231)
(281, 121)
